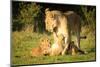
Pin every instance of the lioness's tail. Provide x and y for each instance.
(83, 37)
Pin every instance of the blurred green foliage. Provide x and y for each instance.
(28, 17)
(89, 17)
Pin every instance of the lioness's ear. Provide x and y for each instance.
(47, 9)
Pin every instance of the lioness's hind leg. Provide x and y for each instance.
(78, 39)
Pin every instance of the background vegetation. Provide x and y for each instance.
(28, 27)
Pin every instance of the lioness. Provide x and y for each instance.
(63, 24)
(42, 49)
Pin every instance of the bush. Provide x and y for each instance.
(90, 18)
(28, 17)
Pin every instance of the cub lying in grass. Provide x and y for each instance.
(42, 49)
(56, 49)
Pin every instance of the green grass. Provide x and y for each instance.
(23, 42)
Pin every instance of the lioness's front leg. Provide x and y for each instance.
(67, 42)
(55, 36)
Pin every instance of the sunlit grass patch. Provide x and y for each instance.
(23, 42)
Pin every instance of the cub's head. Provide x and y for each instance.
(45, 45)
(50, 20)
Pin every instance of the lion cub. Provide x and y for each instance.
(42, 49)
(57, 47)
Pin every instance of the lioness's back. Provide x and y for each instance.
(69, 12)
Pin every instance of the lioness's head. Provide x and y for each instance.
(50, 20)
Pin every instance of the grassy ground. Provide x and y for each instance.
(23, 42)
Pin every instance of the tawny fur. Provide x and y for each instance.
(57, 47)
(63, 24)
(42, 49)
(36, 52)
